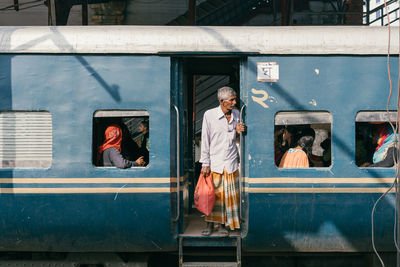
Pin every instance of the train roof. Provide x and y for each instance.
(355, 40)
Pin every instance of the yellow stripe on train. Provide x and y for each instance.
(167, 180)
(319, 190)
(94, 190)
(290, 180)
(87, 180)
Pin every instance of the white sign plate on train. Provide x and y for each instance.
(267, 72)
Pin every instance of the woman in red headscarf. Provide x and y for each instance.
(109, 153)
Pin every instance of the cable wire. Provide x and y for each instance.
(394, 184)
(372, 224)
(396, 217)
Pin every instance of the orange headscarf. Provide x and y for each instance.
(112, 138)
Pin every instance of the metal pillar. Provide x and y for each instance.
(192, 12)
(52, 13)
(85, 20)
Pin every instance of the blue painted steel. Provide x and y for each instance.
(318, 223)
(176, 101)
(342, 85)
(72, 88)
(86, 222)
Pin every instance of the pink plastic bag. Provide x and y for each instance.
(204, 195)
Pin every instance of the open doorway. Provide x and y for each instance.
(202, 77)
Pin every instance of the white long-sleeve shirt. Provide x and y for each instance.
(218, 148)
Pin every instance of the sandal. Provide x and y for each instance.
(208, 230)
(222, 232)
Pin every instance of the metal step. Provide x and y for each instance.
(208, 241)
(190, 242)
(210, 264)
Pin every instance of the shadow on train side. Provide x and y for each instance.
(314, 215)
(226, 43)
(113, 89)
(335, 223)
(277, 89)
(6, 99)
(56, 37)
(5, 86)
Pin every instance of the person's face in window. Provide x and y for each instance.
(286, 137)
(142, 128)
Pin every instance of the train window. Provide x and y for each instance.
(375, 139)
(302, 139)
(26, 139)
(134, 125)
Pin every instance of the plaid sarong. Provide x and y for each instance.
(226, 207)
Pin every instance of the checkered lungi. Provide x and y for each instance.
(226, 207)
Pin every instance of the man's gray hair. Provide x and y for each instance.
(225, 92)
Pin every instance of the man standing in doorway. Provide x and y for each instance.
(219, 155)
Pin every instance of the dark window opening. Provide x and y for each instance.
(302, 139)
(375, 139)
(135, 129)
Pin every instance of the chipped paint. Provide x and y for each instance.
(272, 99)
(313, 102)
(316, 71)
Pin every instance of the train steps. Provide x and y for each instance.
(210, 264)
(208, 251)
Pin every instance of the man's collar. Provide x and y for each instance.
(220, 113)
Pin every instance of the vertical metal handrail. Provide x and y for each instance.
(178, 165)
(241, 166)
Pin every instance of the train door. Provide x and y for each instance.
(287, 113)
(198, 79)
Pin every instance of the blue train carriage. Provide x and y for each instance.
(338, 86)
(61, 87)
(56, 101)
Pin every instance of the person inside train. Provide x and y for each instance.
(129, 148)
(298, 157)
(144, 141)
(326, 155)
(220, 158)
(385, 154)
(364, 146)
(283, 137)
(109, 153)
